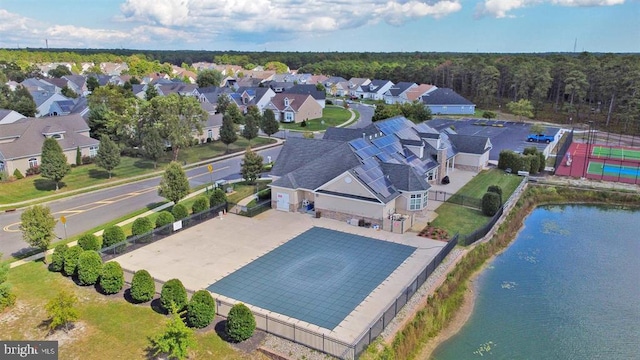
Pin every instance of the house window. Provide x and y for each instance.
(286, 102)
(93, 151)
(430, 175)
(288, 116)
(210, 134)
(418, 201)
(33, 162)
(57, 136)
(2, 166)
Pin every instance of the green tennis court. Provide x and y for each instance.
(616, 153)
(598, 168)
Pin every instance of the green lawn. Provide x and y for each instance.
(243, 190)
(109, 327)
(34, 187)
(459, 219)
(332, 115)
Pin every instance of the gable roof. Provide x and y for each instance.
(444, 96)
(28, 134)
(307, 89)
(404, 177)
(8, 116)
(348, 134)
(470, 144)
(416, 92)
(400, 87)
(295, 101)
(375, 86)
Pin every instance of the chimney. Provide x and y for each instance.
(442, 163)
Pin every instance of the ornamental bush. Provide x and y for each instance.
(173, 294)
(71, 260)
(217, 198)
(240, 323)
(89, 267)
(141, 226)
(112, 235)
(57, 258)
(90, 242)
(201, 309)
(201, 204)
(142, 287)
(164, 218)
(179, 211)
(495, 189)
(490, 203)
(17, 174)
(111, 278)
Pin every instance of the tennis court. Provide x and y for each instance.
(619, 153)
(614, 170)
(320, 276)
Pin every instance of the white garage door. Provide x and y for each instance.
(283, 202)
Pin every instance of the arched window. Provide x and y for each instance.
(33, 162)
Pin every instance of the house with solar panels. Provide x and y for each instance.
(380, 174)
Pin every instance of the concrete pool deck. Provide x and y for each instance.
(203, 254)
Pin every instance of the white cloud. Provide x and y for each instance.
(501, 8)
(260, 16)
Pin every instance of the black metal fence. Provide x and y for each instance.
(455, 199)
(383, 319)
(135, 242)
(252, 211)
(562, 151)
(479, 233)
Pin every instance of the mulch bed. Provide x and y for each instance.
(434, 233)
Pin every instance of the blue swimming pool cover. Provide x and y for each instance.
(320, 276)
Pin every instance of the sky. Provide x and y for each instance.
(523, 26)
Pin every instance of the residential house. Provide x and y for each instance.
(247, 96)
(21, 141)
(380, 174)
(417, 92)
(319, 96)
(279, 86)
(317, 79)
(210, 129)
(9, 116)
(331, 85)
(374, 90)
(112, 68)
(35, 85)
(355, 84)
(179, 88)
(397, 94)
(139, 90)
(78, 84)
(248, 82)
(61, 107)
(45, 102)
(294, 107)
(445, 101)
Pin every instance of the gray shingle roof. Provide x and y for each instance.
(470, 144)
(404, 178)
(400, 87)
(307, 90)
(298, 152)
(347, 134)
(29, 135)
(444, 96)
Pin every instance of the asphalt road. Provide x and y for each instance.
(86, 211)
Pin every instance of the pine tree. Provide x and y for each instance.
(150, 92)
(252, 166)
(153, 145)
(269, 124)
(108, 156)
(228, 131)
(250, 130)
(54, 163)
(222, 104)
(174, 184)
(78, 156)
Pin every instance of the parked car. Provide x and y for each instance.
(540, 138)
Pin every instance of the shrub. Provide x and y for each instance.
(111, 278)
(264, 194)
(495, 189)
(530, 150)
(542, 162)
(112, 235)
(71, 260)
(534, 163)
(34, 170)
(201, 309)
(142, 286)
(87, 160)
(201, 204)
(89, 267)
(179, 211)
(17, 174)
(141, 226)
(164, 218)
(490, 203)
(507, 160)
(90, 242)
(240, 323)
(57, 258)
(303, 123)
(173, 294)
(217, 198)
(525, 163)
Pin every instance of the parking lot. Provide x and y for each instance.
(504, 135)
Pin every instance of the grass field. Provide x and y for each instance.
(459, 219)
(34, 187)
(108, 327)
(332, 115)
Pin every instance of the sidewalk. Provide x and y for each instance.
(133, 179)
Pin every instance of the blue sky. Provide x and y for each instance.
(325, 25)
